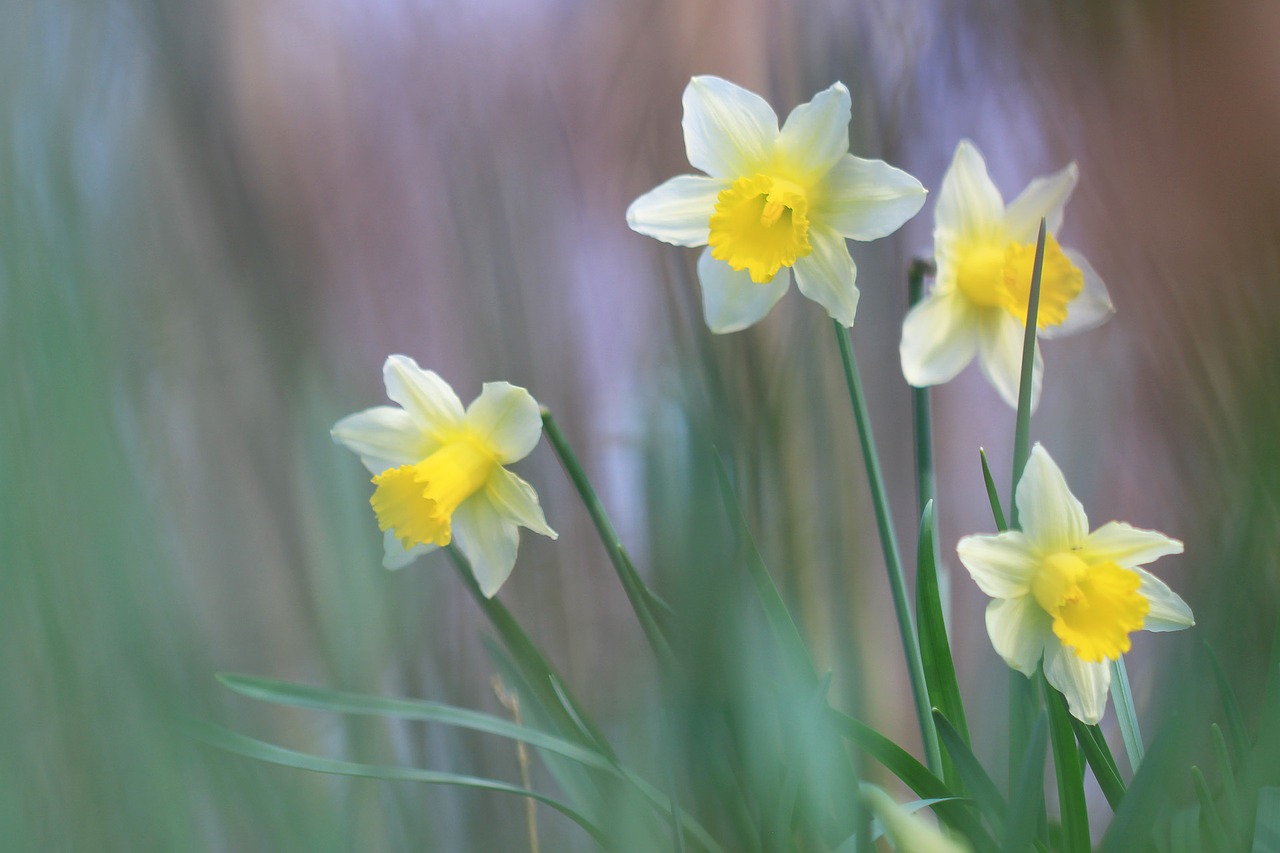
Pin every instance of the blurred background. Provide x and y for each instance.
(217, 219)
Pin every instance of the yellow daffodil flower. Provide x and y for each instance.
(909, 832)
(985, 252)
(772, 201)
(1068, 595)
(439, 470)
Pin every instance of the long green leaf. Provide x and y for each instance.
(1022, 427)
(935, 648)
(1130, 830)
(1027, 797)
(1066, 763)
(343, 702)
(1230, 793)
(1103, 764)
(975, 778)
(262, 751)
(917, 777)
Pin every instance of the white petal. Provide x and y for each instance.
(383, 437)
(1044, 197)
(423, 394)
(1001, 564)
(678, 211)
(1127, 546)
(939, 337)
(487, 540)
(1051, 517)
(507, 418)
(394, 555)
(517, 500)
(1000, 355)
(1168, 611)
(827, 274)
(731, 301)
(1018, 628)
(969, 203)
(1090, 309)
(1084, 684)
(867, 199)
(728, 131)
(816, 135)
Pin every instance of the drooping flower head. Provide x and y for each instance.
(439, 472)
(1068, 595)
(985, 253)
(772, 201)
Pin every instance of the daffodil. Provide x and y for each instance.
(908, 832)
(1067, 595)
(439, 472)
(772, 201)
(984, 253)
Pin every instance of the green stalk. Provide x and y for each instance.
(1022, 429)
(1122, 698)
(926, 479)
(892, 557)
(642, 599)
(1023, 702)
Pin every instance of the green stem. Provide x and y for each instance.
(1122, 698)
(892, 558)
(642, 599)
(926, 479)
(1022, 429)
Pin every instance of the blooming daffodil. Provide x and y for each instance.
(985, 251)
(439, 469)
(1068, 595)
(772, 201)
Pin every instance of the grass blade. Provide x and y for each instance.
(1235, 720)
(975, 778)
(935, 648)
(1122, 698)
(1266, 830)
(1022, 427)
(889, 544)
(229, 741)
(993, 497)
(926, 480)
(1130, 830)
(1027, 797)
(1209, 813)
(1230, 793)
(958, 815)
(1066, 762)
(1101, 761)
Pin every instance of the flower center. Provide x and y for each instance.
(1094, 607)
(760, 224)
(417, 501)
(999, 276)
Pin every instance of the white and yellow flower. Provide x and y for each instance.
(985, 252)
(1068, 595)
(439, 469)
(773, 200)
(909, 832)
